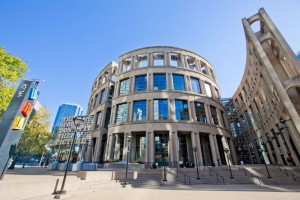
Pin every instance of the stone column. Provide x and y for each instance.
(213, 149)
(97, 149)
(175, 146)
(131, 87)
(149, 115)
(147, 149)
(150, 82)
(170, 81)
(225, 145)
(172, 109)
(199, 152)
(217, 149)
(125, 147)
(232, 151)
(129, 111)
(151, 146)
(208, 114)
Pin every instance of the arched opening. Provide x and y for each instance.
(294, 94)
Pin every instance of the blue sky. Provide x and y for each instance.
(68, 42)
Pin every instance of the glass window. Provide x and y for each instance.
(107, 117)
(207, 89)
(158, 59)
(159, 82)
(160, 109)
(140, 83)
(178, 82)
(139, 111)
(102, 97)
(200, 112)
(195, 85)
(181, 109)
(95, 101)
(124, 86)
(176, 60)
(98, 119)
(121, 115)
(111, 92)
(214, 116)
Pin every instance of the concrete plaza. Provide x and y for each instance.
(38, 184)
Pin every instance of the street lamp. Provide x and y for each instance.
(77, 122)
(163, 145)
(128, 151)
(261, 151)
(226, 151)
(195, 150)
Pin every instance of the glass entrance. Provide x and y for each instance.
(161, 143)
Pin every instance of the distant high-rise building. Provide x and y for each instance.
(65, 110)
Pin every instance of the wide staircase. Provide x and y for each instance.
(183, 177)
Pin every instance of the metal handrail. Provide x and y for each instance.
(210, 170)
(288, 171)
(184, 176)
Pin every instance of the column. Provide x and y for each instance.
(149, 110)
(186, 81)
(97, 149)
(191, 113)
(194, 145)
(217, 149)
(208, 114)
(225, 145)
(151, 59)
(170, 83)
(108, 147)
(132, 79)
(147, 150)
(129, 111)
(125, 147)
(172, 109)
(151, 146)
(170, 150)
(167, 59)
(219, 117)
(199, 152)
(149, 82)
(213, 149)
(232, 151)
(175, 146)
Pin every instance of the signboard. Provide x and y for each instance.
(14, 120)
(67, 129)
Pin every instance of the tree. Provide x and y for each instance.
(11, 69)
(35, 135)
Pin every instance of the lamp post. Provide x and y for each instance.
(163, 145)
(77, 122)
(226, 151)
(195, 150)
(261, 151)
(128, 151)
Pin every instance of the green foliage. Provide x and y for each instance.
(11, 69)
(36, 134)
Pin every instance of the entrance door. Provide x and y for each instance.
(161, 149)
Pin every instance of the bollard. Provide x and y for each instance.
(56, 184)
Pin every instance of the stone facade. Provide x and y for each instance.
(268, 98)
(161, 97)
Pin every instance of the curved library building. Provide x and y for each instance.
(162, 105)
